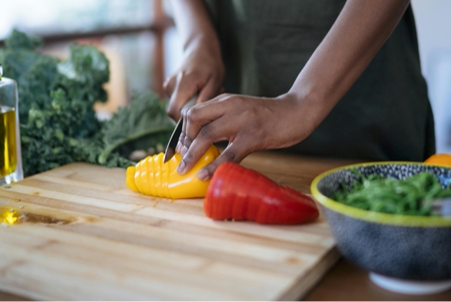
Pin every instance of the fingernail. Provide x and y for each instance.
(177, 148)
(184, 150)
(181, 168)
(203, 174)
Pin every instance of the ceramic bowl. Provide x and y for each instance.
(409, 254)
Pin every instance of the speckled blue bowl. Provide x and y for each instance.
(398, 246)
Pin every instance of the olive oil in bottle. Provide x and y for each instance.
(10, 151)
(8, 155)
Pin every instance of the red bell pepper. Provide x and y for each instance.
(243, 194)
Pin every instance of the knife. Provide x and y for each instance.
(170, 148)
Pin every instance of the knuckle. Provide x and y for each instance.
(229, 155)
(187, 141)
(188, 158)
(192, 113)
(234, 99)
(206, 131)
(211, 168)
(172, 111)
(249, 114)
(182, 138)
(226, 95)
(183, 113)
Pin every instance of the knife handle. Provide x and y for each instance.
(191, 102)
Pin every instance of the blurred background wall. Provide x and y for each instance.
(433, 19)
(141, 42)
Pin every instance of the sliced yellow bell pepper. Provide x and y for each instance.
(151, 177)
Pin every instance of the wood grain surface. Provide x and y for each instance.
(85, 236)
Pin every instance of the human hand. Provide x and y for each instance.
(248, 123)
(202, 73)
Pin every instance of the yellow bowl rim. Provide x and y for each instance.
(377, 217)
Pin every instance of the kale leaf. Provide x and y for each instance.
(57, 121)
(144, 118)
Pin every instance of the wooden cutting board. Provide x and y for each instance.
(85, 236)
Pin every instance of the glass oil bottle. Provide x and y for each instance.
(10, 152)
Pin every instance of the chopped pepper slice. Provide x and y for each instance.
(151, 177)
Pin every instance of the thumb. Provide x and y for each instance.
(230, 154)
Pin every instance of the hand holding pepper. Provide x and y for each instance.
(202, 70)
(248, 123)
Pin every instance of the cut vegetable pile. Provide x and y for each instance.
(153, 177)
(234, 192)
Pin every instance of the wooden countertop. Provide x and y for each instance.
(342, 281)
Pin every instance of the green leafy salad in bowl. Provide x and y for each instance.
(393, 220)
(414, 195)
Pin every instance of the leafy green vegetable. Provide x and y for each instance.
(136, 121)
(410, 196)
(56, 98)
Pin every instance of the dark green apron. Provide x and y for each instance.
(386, 115)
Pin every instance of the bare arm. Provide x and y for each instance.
(193, 24)
(358, 33)
(202, 71)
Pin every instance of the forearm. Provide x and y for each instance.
(358, 33)
(202, 71)
(194, 25)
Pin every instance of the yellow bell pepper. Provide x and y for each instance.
(151, 177)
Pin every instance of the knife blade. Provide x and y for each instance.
(170, 148)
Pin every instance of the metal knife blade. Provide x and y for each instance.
(170, 148)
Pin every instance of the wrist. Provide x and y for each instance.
(202, 42)
(308, 107)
